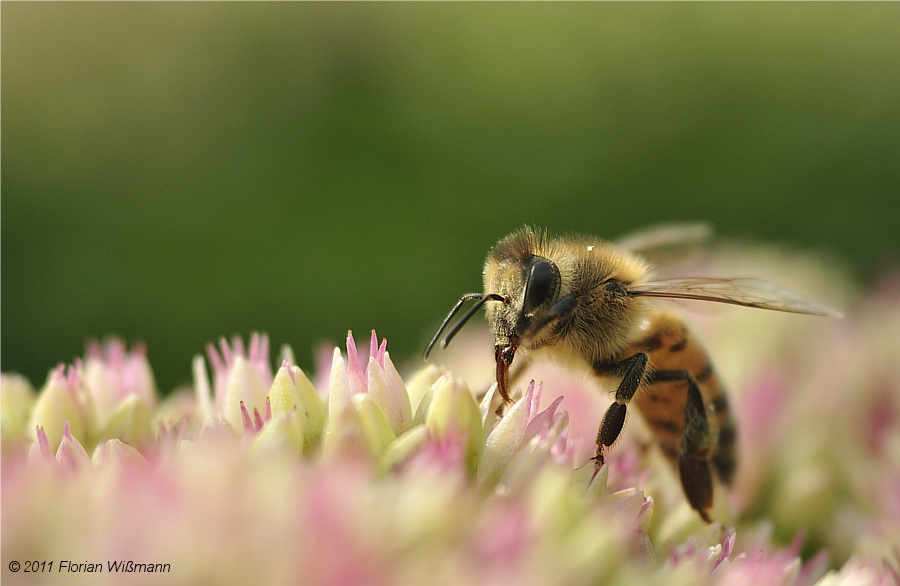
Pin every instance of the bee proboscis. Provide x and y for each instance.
(583, 302)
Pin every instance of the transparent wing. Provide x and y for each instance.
(665, 236)
(746, 292)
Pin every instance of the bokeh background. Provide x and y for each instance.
(172, 173)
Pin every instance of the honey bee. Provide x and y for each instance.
(583, 302)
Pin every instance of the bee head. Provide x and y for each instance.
(531, 284)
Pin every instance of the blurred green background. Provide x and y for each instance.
(176, 172)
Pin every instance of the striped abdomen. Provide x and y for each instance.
(672, 347)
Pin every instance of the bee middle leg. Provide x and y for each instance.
(697, 443)
(632, 370)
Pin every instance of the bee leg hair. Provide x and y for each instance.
(632, 371)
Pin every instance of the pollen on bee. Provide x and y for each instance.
(590, 248)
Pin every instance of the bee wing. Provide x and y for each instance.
(746, 292)
(665, 236)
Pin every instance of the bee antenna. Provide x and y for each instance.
(472, 311)
(453, 312)
(482, 299)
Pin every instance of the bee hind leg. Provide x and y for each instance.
(632, 371)
(697, 444)
(696, 480)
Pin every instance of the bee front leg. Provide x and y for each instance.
(632, 371)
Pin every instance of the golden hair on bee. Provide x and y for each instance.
(584, 302)
(528, 266)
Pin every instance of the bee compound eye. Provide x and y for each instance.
(542, 283)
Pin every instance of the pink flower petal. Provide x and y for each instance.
(355, 370)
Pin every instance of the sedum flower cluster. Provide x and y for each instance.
(367, 477)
